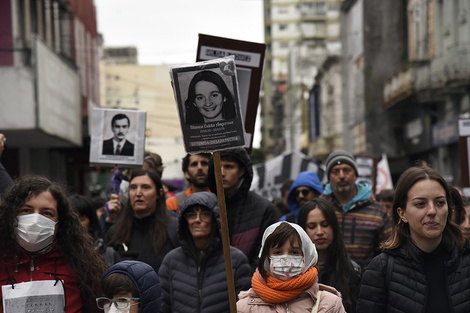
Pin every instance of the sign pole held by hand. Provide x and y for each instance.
(117, 179)
(208, 133)
(225, 234)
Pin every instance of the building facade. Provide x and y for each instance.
(49, 74)
(430, 92)
(299, 35)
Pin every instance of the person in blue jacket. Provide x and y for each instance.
(130, 286)
(306, 187)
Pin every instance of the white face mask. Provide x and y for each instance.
(286, 266)
(34, 232)
(114, 309)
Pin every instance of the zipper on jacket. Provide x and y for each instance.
(199, 289)
(287, 308)
(31, 268)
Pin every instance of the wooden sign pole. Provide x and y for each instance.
(225, 235)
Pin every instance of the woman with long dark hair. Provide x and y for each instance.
(425, 265)
(209, 99)
(145, 231)
(318, 218)
(43, 243)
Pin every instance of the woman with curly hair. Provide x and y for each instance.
(145, 231)
(43, 243)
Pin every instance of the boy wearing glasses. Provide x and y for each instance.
(130, 287)
(193, 276)
(305, 187)
(364, 222)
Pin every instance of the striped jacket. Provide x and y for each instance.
(364, 224)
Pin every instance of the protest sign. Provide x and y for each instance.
(208, 102)
(249, 60)
(117, 137)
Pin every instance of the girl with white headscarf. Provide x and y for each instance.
(286, 277)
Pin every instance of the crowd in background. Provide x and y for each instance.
(322, 248)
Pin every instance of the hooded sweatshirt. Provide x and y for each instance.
(364, 223)
(196, 280)
(307, 179)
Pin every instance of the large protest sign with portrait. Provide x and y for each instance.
(117, 137)
(249, 60)
(208, 103)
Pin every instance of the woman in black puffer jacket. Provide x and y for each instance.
(425, 266)
(193, 276)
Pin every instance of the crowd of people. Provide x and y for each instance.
(325, 248)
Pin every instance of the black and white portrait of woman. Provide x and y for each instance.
(209, 99)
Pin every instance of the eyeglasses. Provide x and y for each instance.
(204, 216)
(304, 192)
(121, 303)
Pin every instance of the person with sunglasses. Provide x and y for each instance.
(193, 276)
(306, 187)
(130, 287)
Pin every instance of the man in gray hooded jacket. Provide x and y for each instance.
(193, 276)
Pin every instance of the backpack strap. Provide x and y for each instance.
(180, 196)
(317, 303)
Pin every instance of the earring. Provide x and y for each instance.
(405, 220)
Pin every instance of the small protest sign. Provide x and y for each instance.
(117, 137)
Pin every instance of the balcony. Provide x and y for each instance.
(399, 87)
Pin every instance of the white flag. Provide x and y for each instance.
(384, 178)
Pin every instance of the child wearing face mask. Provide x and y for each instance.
(130, 287)
(286, 279)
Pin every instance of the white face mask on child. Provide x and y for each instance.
(114, 309)
(286, 266)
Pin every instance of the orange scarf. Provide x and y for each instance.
(274, 290)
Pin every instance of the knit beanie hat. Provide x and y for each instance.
(340, 157)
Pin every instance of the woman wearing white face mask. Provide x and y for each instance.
(45, 251)
(286, 279)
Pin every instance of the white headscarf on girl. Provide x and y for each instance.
(308, 247)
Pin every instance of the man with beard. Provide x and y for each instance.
(195, 168)
(364, 222)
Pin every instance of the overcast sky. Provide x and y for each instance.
(166, 31)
